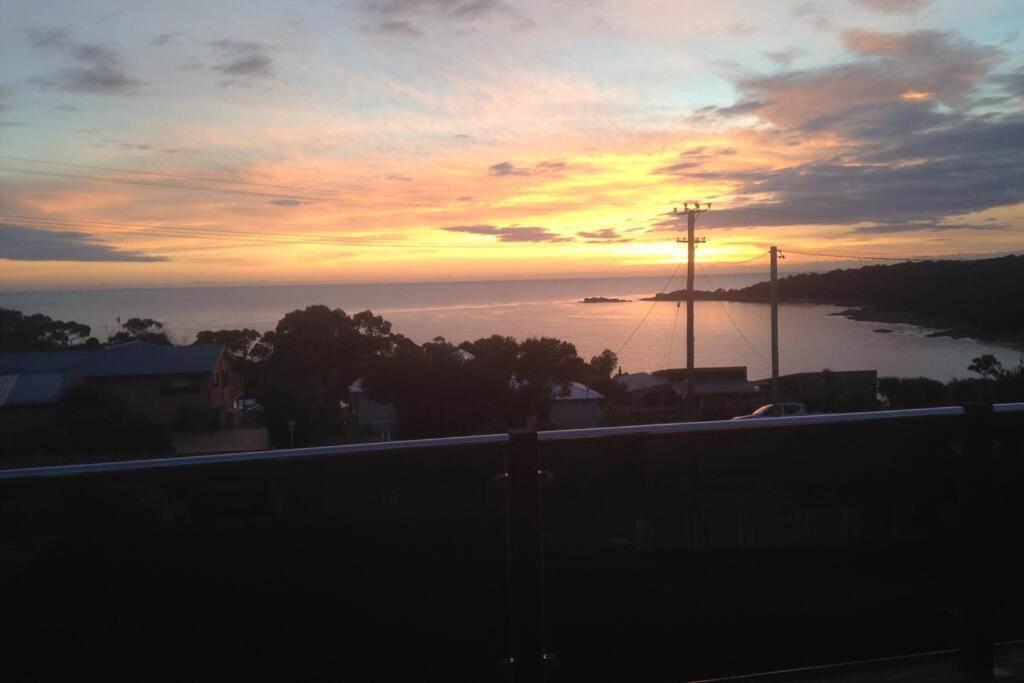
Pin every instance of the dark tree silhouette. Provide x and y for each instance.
(38, 332)
(141, 329)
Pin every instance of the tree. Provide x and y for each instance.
(38, 332)
(439, 390)
(911, 392)
(241, 345)
(315, 354)
(988, 366)
(143, 330)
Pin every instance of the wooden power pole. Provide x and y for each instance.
(691, 245)
(775, 327)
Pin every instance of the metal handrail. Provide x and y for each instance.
(752, 423)
(491, 439)
(252, 456)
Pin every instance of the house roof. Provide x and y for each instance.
(723, 387)
(137, 359)
(640, 380)
(576, 392)
(43, 388)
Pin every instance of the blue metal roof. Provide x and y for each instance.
(43, 388)
(125, 360)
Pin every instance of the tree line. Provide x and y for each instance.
(302, 370)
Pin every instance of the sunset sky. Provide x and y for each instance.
(391, 140)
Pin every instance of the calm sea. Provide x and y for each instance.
(726, 333)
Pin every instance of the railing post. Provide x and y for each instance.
(525, 570)
(976, 470)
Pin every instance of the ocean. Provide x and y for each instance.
(810, 339)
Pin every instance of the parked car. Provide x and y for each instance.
(776, 410)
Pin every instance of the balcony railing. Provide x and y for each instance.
(654, 552)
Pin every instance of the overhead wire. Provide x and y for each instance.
(649, 310)
(860, 257)
(728, 315)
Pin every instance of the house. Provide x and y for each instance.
(379, 419)
(720, 392)
(575, 406)
(174, 387)
(828, 390)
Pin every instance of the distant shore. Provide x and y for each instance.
(937, 327)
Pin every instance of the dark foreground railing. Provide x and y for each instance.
(661, 552)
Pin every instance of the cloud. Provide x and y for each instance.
(785, 57)
(5, 96)
(907, 150)
(398, 27)
(930, 226)
(165, 39)
(683, 167)
(814, 14)
(288, 202)
(462, 11)
(895, 6)
(507, 168)
(399, 177)
(513, 233)
(242, 61)
(20, 243)
(606, 235)
(98, 69)
(886, 69)
(1012, 83)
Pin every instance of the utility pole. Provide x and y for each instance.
(691, 245)
(775, 327)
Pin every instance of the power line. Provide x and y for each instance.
(729, 316)
(649, 310)
(739, 263)
(672, 337)
(860, 256)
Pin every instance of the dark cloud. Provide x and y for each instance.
(462, 11)
(1012, 83)
(814, 14)
(786, 57)
(605, 235)
(288, 202)
(20, 243)
(716, 113)
(507, 168)
(512, 233)
(676, 169)
(398, 27)
(400, 177)
(5, 96)
(886, 69)
(931, 226)
(98, 69)
(165, 39)
(242, 61)
(911, 149)
(895, 6)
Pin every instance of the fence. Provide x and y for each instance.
(660, 552)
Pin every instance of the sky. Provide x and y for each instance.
(151, 143)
